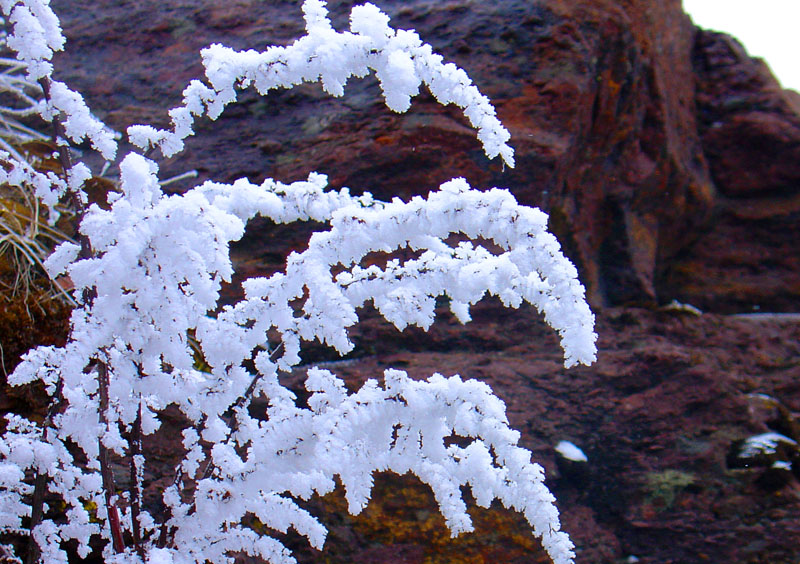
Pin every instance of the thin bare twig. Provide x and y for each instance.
(106, 473)
(136, 481)
(37, 514)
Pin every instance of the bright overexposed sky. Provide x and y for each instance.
(767, 28)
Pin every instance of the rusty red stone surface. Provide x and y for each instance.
(747, 257)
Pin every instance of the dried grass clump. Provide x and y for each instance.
(28, 236)
(28, 232)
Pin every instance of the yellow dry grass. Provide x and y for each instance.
(28, 233)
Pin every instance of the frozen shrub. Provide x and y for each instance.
(147, 273)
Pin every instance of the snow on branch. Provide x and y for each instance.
(401, 427)
(532, 269)
(150, 333)
(159, 264)
(36, 34)
(35, 37)
(400, 60)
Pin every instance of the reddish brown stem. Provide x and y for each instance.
(37, 514)
(136, 483)
(40, 482)
(105, 466)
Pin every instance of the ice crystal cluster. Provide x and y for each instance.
(147, 275)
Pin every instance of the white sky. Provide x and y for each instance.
(767, 28)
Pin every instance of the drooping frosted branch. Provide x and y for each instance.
(171, 254)
(532, 269)
(160, 261)
(400, 427)
(400, 60)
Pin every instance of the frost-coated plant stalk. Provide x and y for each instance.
(147, 276)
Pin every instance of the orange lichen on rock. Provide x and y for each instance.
(402, 523)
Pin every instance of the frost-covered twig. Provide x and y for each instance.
(400, 60)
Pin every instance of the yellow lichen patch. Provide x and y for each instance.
(403, 513)
(663, 487)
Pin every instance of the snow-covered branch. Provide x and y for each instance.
(400, 60)
(148, 272)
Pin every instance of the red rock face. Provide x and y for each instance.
(750, 126)
(631, 186)
(748, 256)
